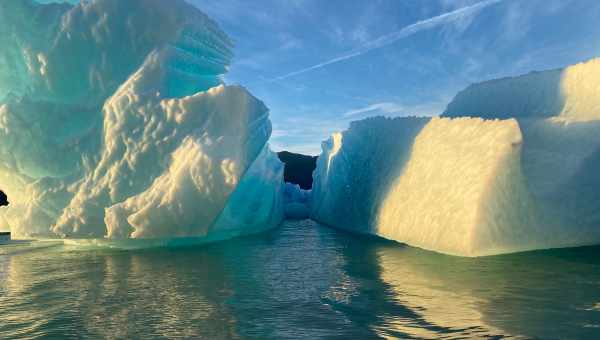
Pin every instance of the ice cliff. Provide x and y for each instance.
(513, 165)
(115, 122)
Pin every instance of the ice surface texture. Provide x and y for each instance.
(569, 94)
(115, 122)
(471, 186)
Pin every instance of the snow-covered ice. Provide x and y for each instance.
(116, 123)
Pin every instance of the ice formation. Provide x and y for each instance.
(570, 94)
(115, 123)
(522, 174)
(297, 202)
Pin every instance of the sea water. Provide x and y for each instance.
(300, 281)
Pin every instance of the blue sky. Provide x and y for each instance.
(414, 71)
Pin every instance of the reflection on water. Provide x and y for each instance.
(546, 294)
(300, 281)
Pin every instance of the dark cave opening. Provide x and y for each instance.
(298, 168)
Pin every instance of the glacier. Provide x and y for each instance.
(116, 123)
(511, 165)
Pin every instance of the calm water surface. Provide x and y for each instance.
(301, 281)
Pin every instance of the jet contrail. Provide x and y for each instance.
(395, 36)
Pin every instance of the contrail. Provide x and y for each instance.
(395, 36)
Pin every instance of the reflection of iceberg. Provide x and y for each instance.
(507, 296)
(469, 186)
(108, 291)
(444, 301)
(115, 126)
(330, 284)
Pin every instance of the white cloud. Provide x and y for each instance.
(384, 108)
(460, 14)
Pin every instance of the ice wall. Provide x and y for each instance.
(462, 190)
(475, 186)
(115, 122)
(357, 166)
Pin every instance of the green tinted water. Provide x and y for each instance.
(299, 281)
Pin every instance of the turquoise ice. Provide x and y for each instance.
(116, 123)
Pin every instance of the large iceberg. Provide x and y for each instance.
(513, 165)
(115, 122)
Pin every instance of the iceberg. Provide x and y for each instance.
(512, 165)
(297, 202)
(569, 94)
(114, 126)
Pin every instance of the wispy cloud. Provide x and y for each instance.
(459, 14)
(384, 108)
(391, 109)
(305, 134)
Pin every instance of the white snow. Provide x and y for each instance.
(116, 124)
